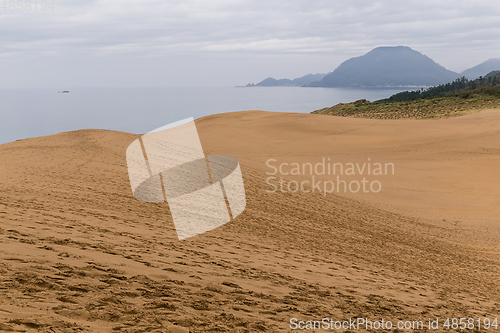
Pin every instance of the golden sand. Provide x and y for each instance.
(79, 253)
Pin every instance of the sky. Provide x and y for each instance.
(182, 43)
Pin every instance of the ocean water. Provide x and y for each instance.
(27, 113)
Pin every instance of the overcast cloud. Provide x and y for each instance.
(225, 43)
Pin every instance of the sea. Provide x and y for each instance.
(27, 113)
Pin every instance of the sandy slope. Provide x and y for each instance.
(78, 253)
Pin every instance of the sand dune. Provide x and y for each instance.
(79, 253)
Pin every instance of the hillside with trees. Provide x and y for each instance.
(452, 99)
(481, 69)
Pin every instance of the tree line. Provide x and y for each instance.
(461, 87)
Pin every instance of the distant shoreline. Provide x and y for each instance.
(348, 87)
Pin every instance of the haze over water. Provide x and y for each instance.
(35, 112)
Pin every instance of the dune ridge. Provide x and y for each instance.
(78, 253)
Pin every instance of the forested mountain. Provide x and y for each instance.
(482, 69)
(388, 67)
(462, 86)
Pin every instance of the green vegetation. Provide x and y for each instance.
(458, 86)
(452, 99)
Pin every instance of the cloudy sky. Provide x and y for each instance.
(169, 43)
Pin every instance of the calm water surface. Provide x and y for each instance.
(29, 113)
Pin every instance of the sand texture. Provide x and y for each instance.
(79, 254)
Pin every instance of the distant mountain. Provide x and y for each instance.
(307, 79)
(300, 81)
(492, 73)
(482, 69)
(272, 82)
(388, 67)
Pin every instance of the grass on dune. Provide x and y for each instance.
(425, 108)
